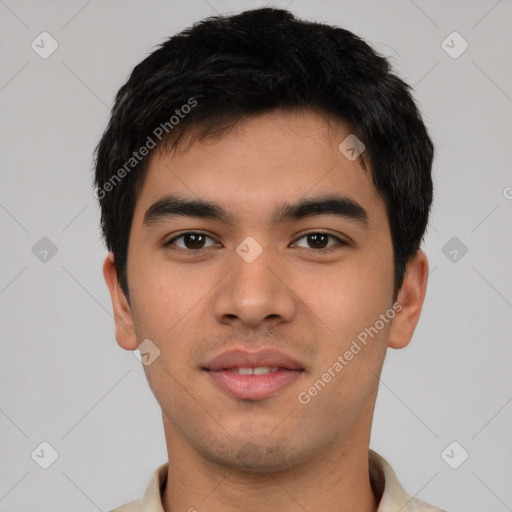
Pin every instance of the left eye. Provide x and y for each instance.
(319, 240)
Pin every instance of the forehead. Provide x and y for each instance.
(261, 164)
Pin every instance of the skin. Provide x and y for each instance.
(274, 453)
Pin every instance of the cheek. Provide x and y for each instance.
(347, 310)
(348, 298)
(162, 296)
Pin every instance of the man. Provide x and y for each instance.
(265, 184)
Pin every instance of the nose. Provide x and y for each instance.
(255, 294)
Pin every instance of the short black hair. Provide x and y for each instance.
(228, 68)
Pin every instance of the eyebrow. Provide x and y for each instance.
(170, 206)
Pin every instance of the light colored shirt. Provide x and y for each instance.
(385, 485)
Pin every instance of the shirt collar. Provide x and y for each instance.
(385, 485)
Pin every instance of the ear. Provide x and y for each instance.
(125, 331)
(410, 297)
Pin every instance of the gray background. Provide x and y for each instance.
(64, 380)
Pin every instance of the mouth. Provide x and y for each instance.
(253, 375)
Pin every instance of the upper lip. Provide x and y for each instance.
(239, 358)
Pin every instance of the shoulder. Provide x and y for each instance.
(133, 506)
(416, 505)
(152, 499)
(386, 486)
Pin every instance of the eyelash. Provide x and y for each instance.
(305, 250)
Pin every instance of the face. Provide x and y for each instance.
(259, 300)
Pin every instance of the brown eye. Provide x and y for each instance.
(190, 241)
(319, 240)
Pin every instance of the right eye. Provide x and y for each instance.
(190, 241)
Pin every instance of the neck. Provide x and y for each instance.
(335, 481)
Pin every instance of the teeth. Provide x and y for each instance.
(260, 370)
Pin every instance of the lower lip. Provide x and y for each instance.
(253, 387)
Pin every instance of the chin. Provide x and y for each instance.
(256, 457)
